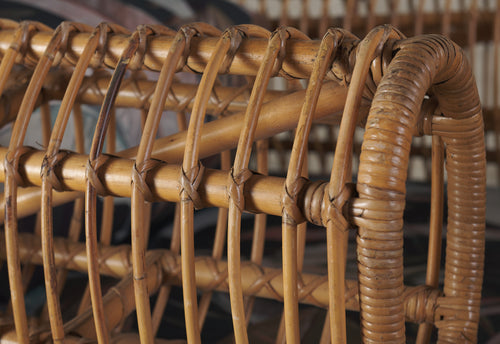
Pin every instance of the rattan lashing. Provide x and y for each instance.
(400, 73)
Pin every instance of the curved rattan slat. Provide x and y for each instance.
(45, 124)
(93, 182)
(260, 221)
(50, 160)
(291, 216)
(55, 49)
(239, 172)
(77, 218)
(140, 190)
(190, 178)
(218, 245)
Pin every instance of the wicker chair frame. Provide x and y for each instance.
(396, 87)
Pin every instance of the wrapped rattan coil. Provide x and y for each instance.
(398, 85)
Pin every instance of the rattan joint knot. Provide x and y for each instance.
(144, 31)
(66, 29)
(421, 303)
(187, 32)
(92, 173)
(139, 176)
(11, 163)
(237, 186)
(49, 165)
(189, 182)
(236, 36)
(21, 45)
(290, 201)
(334, 208)
(104, 30)
(285, 33)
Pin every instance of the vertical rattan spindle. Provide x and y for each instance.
(291, 215)
(51, 159)
(190, 177)
(96, 160)
(240, 173)
(53, 54)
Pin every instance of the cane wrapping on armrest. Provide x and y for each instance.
(394, 87)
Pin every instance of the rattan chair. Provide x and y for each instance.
(394, 87)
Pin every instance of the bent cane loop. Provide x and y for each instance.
(51, 181)
(291, 215)
(437, 197)
(337, 193)
(177, 60)
(105, 30)
(54, 51)
(94, 184)
(430, 62)
(239, 174)
(18, 46)
(141, 191)
(29, 269)
(192, 172)
(248, 31)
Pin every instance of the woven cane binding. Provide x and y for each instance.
(395, 87)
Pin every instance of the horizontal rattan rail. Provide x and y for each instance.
(245, 62)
